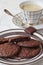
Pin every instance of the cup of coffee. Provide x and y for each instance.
(32, 11)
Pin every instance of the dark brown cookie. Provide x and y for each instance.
(30, 43)
(18, 38)
(8, 50)
(28, 52)
(3, 40)
(30, 30)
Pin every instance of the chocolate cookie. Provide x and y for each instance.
(30, 30)
(28, 52)
(3, 40)
(30, 43)
(18, 39)
(7, 50)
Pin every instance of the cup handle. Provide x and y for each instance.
(41, 18)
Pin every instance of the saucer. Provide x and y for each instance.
(19, 20)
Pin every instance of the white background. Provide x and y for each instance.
(6, 20)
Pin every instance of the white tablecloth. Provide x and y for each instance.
(6, 20)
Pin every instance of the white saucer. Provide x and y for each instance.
(20, 21)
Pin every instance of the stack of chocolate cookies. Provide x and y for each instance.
(19, 47)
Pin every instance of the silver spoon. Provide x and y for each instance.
(7, 12)
(14, 17)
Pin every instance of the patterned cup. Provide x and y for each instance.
(32, 17)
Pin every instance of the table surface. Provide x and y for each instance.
(6, 20)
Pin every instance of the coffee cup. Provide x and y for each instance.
(32, 11)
